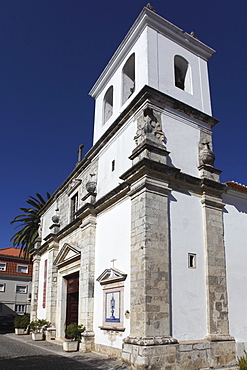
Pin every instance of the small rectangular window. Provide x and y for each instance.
(3, 266)
(20, 308)
(1, 307)
(21, 289)
(113, 165)
(22, 269)
(74, 206)
(192, 260)
(2, 287)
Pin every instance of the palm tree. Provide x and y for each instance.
(29, 223)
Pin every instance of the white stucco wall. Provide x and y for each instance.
(183, 138)
(112, 241)
(119, 149)
(46, 220)
(235, 214)
(41, 312)
(188, 284)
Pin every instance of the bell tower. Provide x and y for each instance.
(153, 120)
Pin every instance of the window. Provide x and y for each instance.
(1, 307)
(44, 285)
(129, 78)
(21, 289)
(3, 266)
(74, 206)
(108, 104)
(2, 287)
(182, 73)
(22, 269)
(113, 165)
(192, 260)
(21, 308)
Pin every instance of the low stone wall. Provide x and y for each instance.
(185, 355)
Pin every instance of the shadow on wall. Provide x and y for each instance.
(241, 207)
(6, 310)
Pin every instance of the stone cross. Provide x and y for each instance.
(113, 260)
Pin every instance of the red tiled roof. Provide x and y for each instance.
(239, 187)
(10, 256)
(11, 251)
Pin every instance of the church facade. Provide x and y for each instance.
(142, 243)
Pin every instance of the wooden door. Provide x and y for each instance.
(72, 299)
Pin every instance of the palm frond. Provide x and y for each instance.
(28, 224)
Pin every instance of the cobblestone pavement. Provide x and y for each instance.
(20, 352)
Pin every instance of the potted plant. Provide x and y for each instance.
(21, 323)
(73, 333)
(37, 327)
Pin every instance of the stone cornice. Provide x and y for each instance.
(147, 94)
(173, 176)
(148, 18)
(114, 195)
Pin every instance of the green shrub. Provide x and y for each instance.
(39, 325)
(74, 331)
(242, 362)
(21, 321)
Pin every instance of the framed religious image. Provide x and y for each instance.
(112, 281)
(112, 306)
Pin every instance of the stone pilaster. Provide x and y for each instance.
(217, 303)
(150, 270)
(35, 287)
(51, 298)
(86, 286)
(150, 321)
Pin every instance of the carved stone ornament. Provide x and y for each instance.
(206, 156)
(91, 184)
(55, 219)
(149, 127)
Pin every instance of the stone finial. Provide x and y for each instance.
(55, 227)
(193, 35)
(149, 127)
(91, 184)
(149, 6)
(206, 156)
(55, 219)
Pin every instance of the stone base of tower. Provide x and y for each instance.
(192, 355)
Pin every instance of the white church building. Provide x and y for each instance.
(142, 243)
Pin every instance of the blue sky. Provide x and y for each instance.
(52, 52)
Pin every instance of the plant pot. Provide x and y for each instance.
(37, 336)
(19, 331)
(70, 345)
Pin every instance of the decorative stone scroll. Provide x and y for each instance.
(149, 127)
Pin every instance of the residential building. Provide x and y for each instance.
(15, 283)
